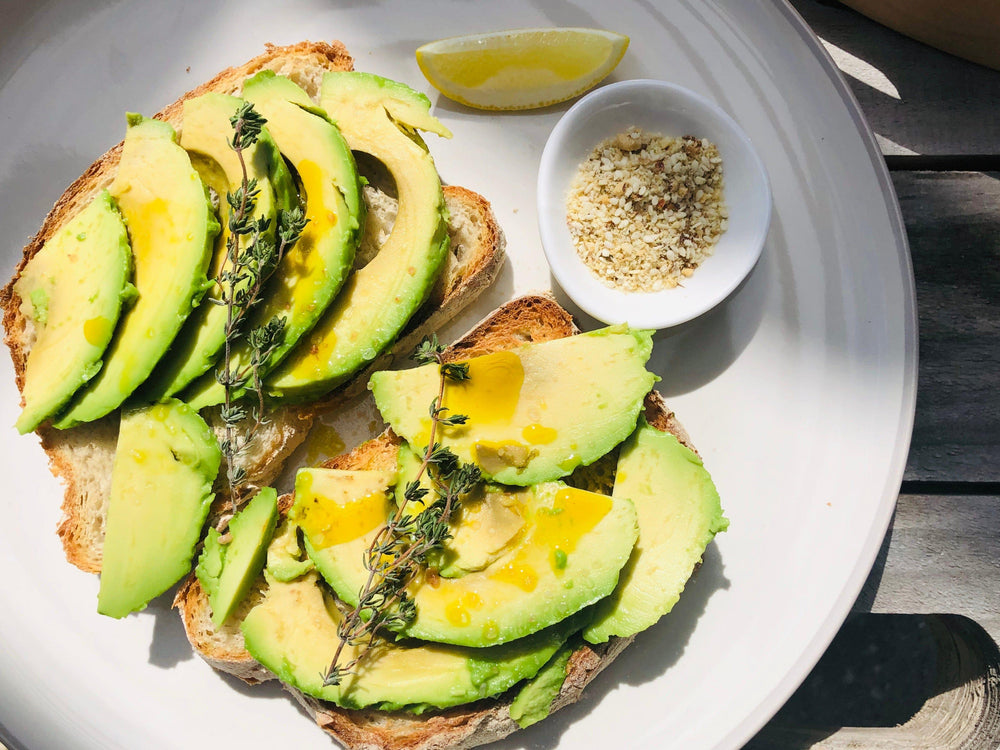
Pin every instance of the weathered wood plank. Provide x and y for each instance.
(917, 99)
(943, 556)
(953, 223)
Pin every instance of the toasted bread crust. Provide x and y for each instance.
(461, 727)
(532, 318)
(82, 457)
(222, 647)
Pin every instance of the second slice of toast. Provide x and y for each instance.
(529, 319)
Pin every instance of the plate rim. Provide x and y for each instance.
(765, 710)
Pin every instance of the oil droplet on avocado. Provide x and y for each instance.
(518, 573)
(493, 456)
(97, 330)
(324, 440)
(148, 220)
(327, 522)
(159, 412)
(491, 631)
(491, 393)
(319, 221)
(573, 513)
(457, 611)
(570, 462)
(312, 362)
(536, 434)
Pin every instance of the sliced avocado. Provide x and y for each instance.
(172, 228)
(679, 514)
(378, 117)
(487, 525)
(568, 557)
(226, 571)
(161, 489)
(313, 271)
(334, 507)
(293, 632)
(484, 527)
(534, 413)
(206, 137)
(286, 559)
(408, 461)
(533, 701)
(74, 288)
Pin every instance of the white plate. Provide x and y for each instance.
(799, 389)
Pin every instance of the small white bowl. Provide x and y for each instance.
(670, 110)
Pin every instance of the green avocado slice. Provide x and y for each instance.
(286, 560)
(315, 268)
(332, 507)
(172, 227)
(534, 413)
(533, 701)
(161, 490)
(206, 137)
(378, 117)
(679, 514)
(75, 287)
(567, 557)
(226, 571)
(484, 527)
(293, 632)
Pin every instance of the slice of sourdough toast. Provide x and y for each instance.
(526, 319)
(82, 457)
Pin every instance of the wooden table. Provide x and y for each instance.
(917, 665)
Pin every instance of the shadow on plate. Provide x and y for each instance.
(651, 655)
(697, 352)
(169, 645)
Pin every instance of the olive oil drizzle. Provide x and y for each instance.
(400, 548)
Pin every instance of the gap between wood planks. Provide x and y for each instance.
(943, 162)
(923, 487)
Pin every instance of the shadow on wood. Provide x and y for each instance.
(916, 98)
(918, 682)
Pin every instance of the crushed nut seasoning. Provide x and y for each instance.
(645, 210)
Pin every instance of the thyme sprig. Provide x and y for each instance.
(401, 547)
(252, 254)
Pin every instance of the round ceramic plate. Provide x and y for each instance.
(798, 390)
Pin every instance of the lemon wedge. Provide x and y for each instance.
(522, 68)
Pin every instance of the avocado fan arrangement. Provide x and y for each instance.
(526, 508)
